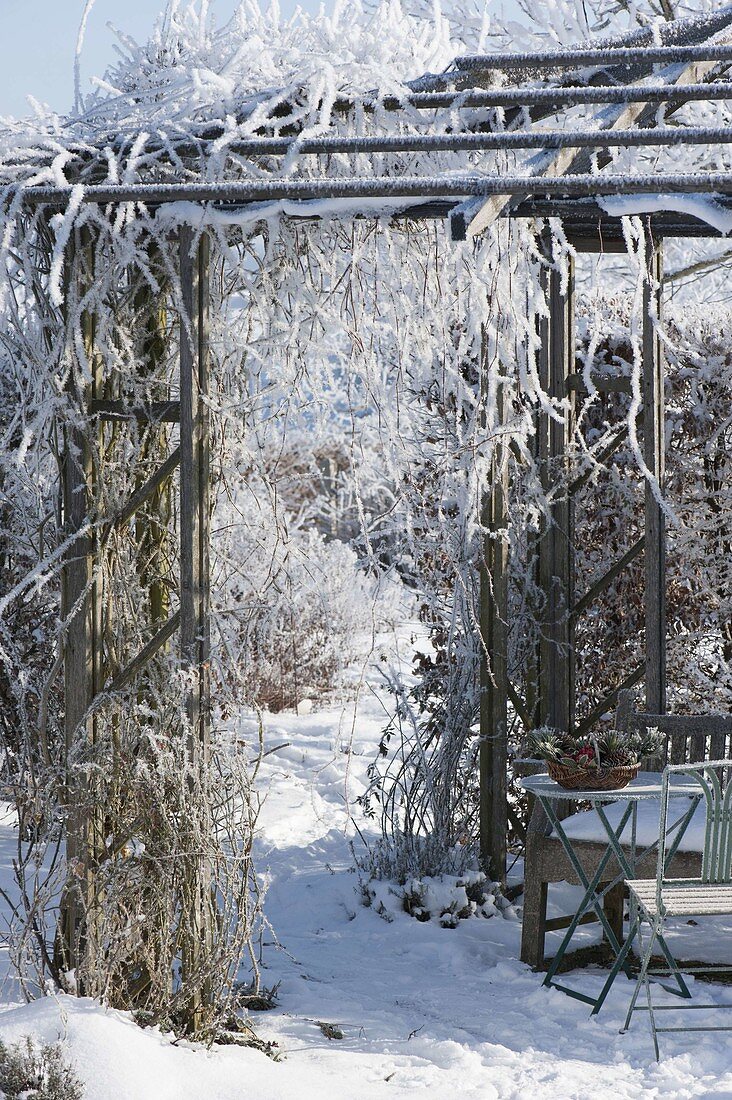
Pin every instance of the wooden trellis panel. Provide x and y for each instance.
(555, 552)
(84, 675)
(556, 565)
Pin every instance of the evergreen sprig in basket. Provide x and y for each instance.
(607, 762)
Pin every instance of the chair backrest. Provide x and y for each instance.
(711, 782)
(689, 738)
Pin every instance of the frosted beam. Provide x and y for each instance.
(418, 187)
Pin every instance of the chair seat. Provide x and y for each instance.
(587, 825)
(697, 899)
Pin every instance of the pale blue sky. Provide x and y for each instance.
(38, 42)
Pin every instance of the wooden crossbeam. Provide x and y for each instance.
(695, 31)
(418, 188)
(166, 632)
(600, 458)
(156, 411)
(473, 220)
(143, 494)
(481, 142)
(687, 725)
(609, 700)
(576, 384)
(607, 58)
(607, 578)
(514, 100)
(590, 228)
(555, 923)
(555, 98)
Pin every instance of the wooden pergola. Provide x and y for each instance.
(562, 176)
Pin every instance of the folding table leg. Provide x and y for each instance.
(627, 869)
(590, 899)
(654, 1030)
(618, 965)
(683, 990)
(614, 905)
(642, 977)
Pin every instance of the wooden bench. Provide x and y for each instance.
(689, 739)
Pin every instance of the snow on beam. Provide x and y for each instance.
(600, 229)
(564, 97)
(651, 55)
(418, 187)
(678, 32)
(563, 162)
(515, 139)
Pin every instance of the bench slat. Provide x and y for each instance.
(677, 750)
(718, 749)
(698, 748)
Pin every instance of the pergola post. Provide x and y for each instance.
(494, 662)
(194, 560)
(194, 476)
(81, 612)
(555, 548)
(78, 690)
(654, 455)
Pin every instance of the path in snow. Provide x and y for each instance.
(425, 1011)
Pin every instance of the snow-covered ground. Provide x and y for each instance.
(422, 1010)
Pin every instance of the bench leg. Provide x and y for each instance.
(533, 929)
(614, 904)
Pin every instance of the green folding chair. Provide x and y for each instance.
(654, 900)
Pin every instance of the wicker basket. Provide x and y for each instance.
(584, 779)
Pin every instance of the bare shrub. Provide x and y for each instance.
(297, 611)
(37, 1071)
(175, 836)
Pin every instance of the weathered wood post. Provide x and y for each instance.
(194, 568)
(494, 655)
(654, 455)
(551, 698)
(81, 615)
(555, 544)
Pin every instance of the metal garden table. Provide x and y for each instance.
(647, 786)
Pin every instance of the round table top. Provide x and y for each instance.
(645, 785)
